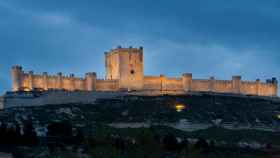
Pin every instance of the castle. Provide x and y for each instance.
(124, 72)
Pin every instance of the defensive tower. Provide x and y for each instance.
(125, 65)
(16, 77)
(124, 72)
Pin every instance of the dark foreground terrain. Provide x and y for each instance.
(218, 126)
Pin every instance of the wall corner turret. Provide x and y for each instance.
(236, 84)
(258, 87)
(90, 81)
(275, 86)
(187, 81)
(30, 80)
(16, 74)
(45, 81)
(212, 84)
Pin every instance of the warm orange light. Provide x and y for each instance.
(26, 89)
(180, 107)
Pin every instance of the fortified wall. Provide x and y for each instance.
(124, 72)
(188, 84)
(28, 81)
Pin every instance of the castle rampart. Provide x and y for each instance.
(124, 71)
(107, 85)
(23, 81)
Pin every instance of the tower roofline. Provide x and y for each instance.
(120, 49)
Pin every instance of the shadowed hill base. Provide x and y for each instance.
(253, 121)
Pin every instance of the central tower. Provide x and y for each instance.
(125, 65)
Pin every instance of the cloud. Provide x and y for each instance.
(209, 59)
(204, 37)
(53, 19)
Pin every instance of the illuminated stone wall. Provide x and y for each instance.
(200, 85)
(236, 85)
(186, 83)
(162, 83)
(124, 71)
(125, 65)
(222, 86)
(107, 85)
(267, 89)
(172, 84)
(29, 81)
(152, 83)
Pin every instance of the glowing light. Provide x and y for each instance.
(180, 107)
(26, 89)
(278, 116)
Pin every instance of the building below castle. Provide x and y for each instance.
(124, 72)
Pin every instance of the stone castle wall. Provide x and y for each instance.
(152, 83)
(30, 81)
(107, 85)
(125, 65)
(124, 71)
(162, 83)
(236, 85)
(186, 83)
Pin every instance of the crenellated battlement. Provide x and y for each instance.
(124, 71)
(120, 49)
(28, 81)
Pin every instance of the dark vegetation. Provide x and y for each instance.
(83, 128)
(140, 143)
(110, 142)
(199, 108)
(12, 136)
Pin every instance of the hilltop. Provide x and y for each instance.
(229, 120)
(199, 111)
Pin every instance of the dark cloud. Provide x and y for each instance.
(220, 38)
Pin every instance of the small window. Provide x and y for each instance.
(132, 72)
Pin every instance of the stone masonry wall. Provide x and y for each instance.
(29, 81)
(125, 65)
(124, 71)
(236, 85)
(152, 83)
(107, 85)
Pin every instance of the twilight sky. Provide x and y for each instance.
(217, 38)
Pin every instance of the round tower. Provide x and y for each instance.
(16, 77)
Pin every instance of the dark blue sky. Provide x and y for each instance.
(217, 38)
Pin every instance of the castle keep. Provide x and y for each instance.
(124, 72)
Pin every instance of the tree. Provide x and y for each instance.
(29, 135)
(202, 145)
(60, 132)
(3, 133)
(170, 142)
(18, 135)
(79, 137)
